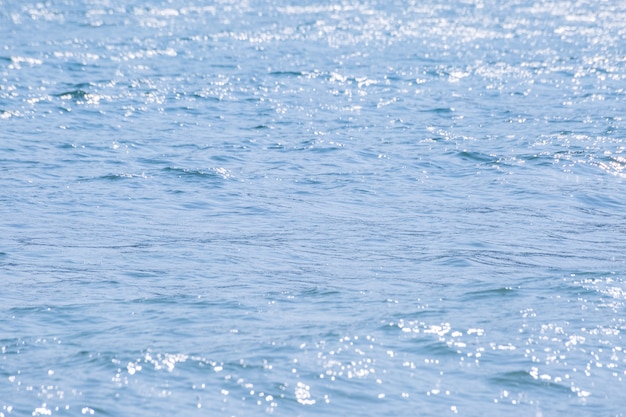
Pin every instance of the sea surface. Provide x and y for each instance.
(312, 208)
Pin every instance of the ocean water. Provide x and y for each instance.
(312, 208)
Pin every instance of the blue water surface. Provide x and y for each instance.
(312, 208)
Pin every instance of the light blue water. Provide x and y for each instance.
(367, 207)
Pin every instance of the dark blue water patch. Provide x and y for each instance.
(76, 95)
(286, 73)
(452, 260)
(439, 110)
(539, 159)
(277, 146)
(261, 127)
(478, 157)
(427, 346)
(318, 292)
(491, 294)
(227, 158)
(524, 381)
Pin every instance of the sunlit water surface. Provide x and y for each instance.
(314, 208)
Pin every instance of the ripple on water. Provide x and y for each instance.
(359, 208)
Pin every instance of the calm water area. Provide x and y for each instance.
(312, 208)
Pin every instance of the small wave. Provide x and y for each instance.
(439, 110)
(494, 293)
(73, 94)
(612, 164)
(286, 73)
(478, 157)
(121, 176)
(218, 172)
(528, 379)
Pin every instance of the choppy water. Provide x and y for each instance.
(312, 208)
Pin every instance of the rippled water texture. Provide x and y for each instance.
(368, 207)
